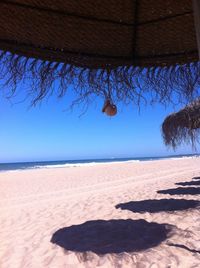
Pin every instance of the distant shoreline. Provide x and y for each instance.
(86, 162)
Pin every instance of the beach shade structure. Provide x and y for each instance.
(120, 50)
(183, 126)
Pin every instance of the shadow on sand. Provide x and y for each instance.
(113, 236)
(195, 181)
(154, 206)
(196, 178)
(181, 191)
(186, 183)
(184, 247)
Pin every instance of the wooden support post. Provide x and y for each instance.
(196, 10)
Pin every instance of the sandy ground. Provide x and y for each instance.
(109, 215)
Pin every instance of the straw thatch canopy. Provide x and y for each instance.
(183, 126)
(117, 49)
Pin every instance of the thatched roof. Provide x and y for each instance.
(183, 126)
(117, 49)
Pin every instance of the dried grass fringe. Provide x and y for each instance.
(183, 126)
(119, 84)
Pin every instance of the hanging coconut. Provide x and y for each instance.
(109, 108)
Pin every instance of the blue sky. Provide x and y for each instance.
(51, 132)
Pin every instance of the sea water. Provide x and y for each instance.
(85, 162)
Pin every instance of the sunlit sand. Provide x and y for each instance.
(135, 214)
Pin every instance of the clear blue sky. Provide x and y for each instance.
(49, 132)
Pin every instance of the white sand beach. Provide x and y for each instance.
(126, 215)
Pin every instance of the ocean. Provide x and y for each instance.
(85, 162)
